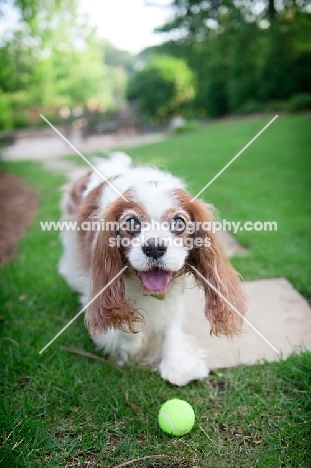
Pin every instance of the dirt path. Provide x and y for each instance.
(18, 206)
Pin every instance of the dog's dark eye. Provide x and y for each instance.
(178, 225)
(133, 225)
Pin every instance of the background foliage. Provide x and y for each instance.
(230, 58)
(244, 56)
(52, 58)
(163, 86)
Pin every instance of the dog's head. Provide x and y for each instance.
(160, 234)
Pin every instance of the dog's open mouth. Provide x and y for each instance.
(155, 280)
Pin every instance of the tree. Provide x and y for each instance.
(244, 63)
(238, 60)
(117, 58)
(32, 12)
(52, 58)
(119, 65)
(286, 64)
(162, 87)
(195, 17)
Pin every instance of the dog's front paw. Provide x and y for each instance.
(181, 372)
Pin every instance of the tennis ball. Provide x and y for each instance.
(176, 417)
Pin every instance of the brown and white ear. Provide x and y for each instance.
(110, 309)
(73, 195)
(211, 261)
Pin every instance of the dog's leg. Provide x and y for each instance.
(182, 360)
(119, 345)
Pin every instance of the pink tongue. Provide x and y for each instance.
(155, 280)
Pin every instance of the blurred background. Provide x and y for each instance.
(128, 66)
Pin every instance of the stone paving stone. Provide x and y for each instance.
(275, 308)
(40, 148)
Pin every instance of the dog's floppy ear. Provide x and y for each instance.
(110, 309)
(211, 261)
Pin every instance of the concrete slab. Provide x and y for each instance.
(275, 308)
(39, 148)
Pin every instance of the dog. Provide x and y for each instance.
(132, 269)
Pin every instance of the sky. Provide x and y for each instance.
(127, 24)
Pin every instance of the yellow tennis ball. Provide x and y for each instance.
(176, 417)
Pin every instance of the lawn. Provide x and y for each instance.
(61, 409)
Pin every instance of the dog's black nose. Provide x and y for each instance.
(154, 248)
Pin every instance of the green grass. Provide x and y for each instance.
(64, 410)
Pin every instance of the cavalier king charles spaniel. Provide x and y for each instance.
(139, 242)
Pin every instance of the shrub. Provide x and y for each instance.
(188, 126)
(6, 121)
(162, 87)
(274, 106)
(21, 119)
(249, 107)
(299, 102)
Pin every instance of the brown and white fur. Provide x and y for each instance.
(140, 315)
